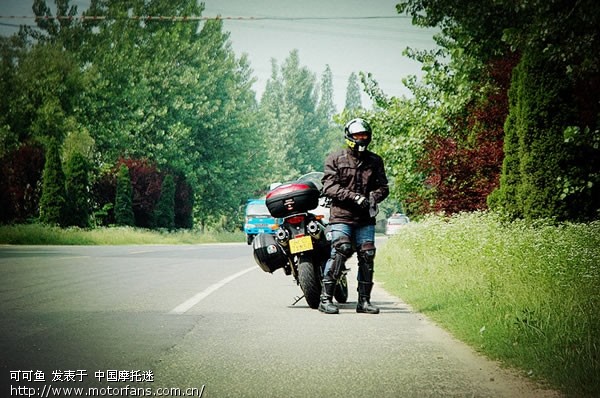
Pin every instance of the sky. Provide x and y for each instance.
(344, 34)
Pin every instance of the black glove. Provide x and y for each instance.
(361, 201)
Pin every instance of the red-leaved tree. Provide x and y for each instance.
(146, 182)
(20, 177)
(464, 167)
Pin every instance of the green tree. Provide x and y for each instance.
(223, 142)
(544, 175)
(353, 100)
(326, 110)
(67, 31)
(326, 106)
(77, 191)
(41, 84)
(164, 216)
(276, 128)
(124, 197)
(11, 52)
(168, 92)
(179, 97)
(399, 131)
(505, 197)
(49, 82)
(53, 202)
(297, 128)
(300, 97)
(540, 130)
(554, 109)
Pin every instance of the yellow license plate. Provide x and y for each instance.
(301, 244)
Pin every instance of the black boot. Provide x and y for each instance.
(326, 305)
(364, 296)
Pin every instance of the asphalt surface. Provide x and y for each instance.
(204, 320)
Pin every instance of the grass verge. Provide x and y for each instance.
(527, 295)
(35, 234)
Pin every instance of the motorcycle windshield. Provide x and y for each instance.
(314, 177)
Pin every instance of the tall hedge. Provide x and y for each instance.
(164, 214)
(77, 190)
(545, 112)
(184, 203)
(146, 182)
(541, 177)
(123, 201)
(52, 202)
(505, 196)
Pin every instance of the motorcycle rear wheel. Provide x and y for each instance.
(309, 283)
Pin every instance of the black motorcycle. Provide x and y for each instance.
(300, 246)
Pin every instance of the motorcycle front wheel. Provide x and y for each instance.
(341, 290)
(309, 283)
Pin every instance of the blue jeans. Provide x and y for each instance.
(357, 235)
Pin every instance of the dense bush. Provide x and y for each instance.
(104, 193)
(147, 189)
(20, 183)
(146, 183)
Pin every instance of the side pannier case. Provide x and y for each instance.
(268, 254)
(297, 197)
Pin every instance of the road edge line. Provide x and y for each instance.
(191, 302)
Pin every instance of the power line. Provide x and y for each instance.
(192, 18)
(9, 24)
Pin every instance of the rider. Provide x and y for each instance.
(355, 181)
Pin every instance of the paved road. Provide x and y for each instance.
(206, 320)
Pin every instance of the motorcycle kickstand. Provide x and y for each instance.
(297, 298)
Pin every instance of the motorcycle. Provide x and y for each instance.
(300, 246)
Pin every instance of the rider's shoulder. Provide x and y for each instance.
(372, 156)
(338, 153)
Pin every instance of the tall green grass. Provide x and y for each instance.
(528, 295)
(35, 234)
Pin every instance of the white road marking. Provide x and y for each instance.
(188, 304)
(142, 251)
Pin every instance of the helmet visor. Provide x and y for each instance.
(361, 136)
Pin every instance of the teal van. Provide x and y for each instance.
(258, 219)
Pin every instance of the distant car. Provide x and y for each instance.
(396, 223)
(258, 219)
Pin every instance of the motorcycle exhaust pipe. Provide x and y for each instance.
(282, 236)
(313, 229)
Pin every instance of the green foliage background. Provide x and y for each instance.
(170, 93)
(175, 95)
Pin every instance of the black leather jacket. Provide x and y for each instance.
(346, 176)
